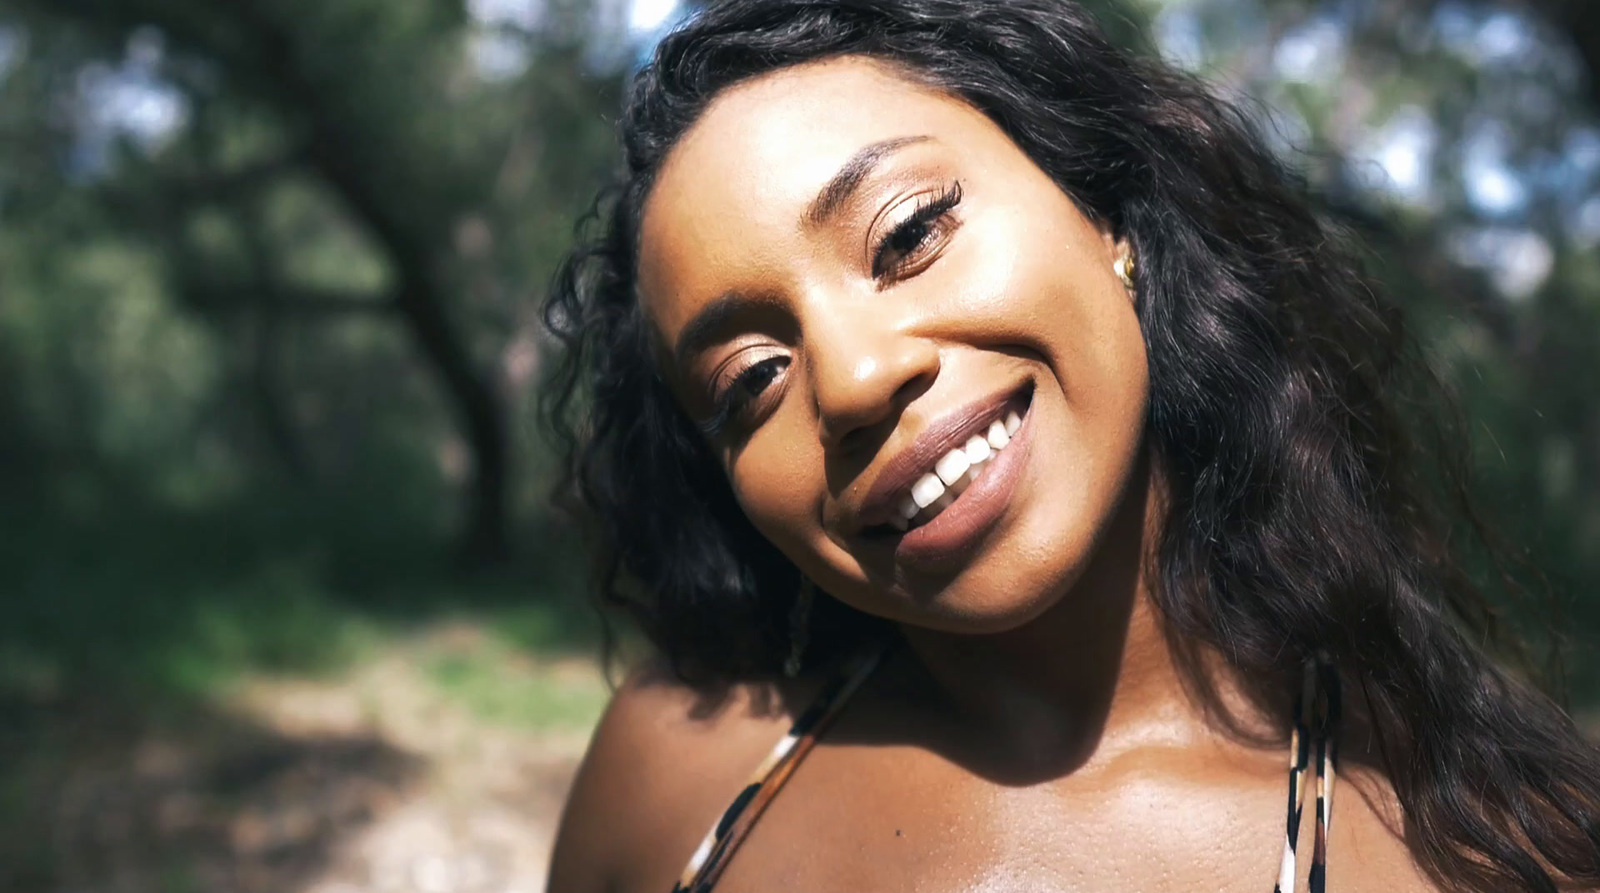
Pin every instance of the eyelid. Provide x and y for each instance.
(937, 212)
(727, 373)
(728, 370)
(725, 413)
(878, 228)
(900, 180)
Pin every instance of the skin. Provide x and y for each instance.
(1038, 732)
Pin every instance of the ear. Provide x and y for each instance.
(1116, 246)
(1119, 254)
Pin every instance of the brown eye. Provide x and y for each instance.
(907, 240)
(733, 401)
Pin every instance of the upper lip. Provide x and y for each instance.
(944, 434)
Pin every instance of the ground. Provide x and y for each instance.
(436, 763)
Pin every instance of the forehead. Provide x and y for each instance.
(730, 197)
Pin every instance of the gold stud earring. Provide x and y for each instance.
(1124, 267)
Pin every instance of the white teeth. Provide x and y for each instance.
(927, 490)
(909, 508)
(952, 466)
(953, 473)
(997, 436)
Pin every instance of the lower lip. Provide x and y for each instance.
(956, 530)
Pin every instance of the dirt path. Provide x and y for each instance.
(380, 780)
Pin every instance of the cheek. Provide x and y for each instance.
(776, 479)
(1038, 278)
(1023, 269)
(1048, 286)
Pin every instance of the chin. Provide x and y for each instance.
(1005, 588)
(1045, 560)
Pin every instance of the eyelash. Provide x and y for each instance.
(738, 395)
(924, 216)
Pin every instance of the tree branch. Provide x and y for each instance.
(302, 301)
(210, 187)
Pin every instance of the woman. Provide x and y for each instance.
(946, 381)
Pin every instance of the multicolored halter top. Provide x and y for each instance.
(1315, 732)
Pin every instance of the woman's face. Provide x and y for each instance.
(876, 305)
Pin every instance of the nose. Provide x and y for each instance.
(863, 371)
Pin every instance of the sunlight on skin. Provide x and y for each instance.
(964, 323)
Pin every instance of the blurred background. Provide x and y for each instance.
(282, 605)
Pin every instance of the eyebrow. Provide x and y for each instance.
(711, 323)
(850, 177)
(713, 320)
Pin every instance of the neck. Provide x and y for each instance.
(1097, 673)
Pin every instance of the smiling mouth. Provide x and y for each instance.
(954, 473)
(950, 475)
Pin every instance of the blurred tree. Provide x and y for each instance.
(1462, 140)
(218, 220)
(293, 165)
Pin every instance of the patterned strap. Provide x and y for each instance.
(712, 856)
(1316, 724)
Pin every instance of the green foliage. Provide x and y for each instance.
(156, 603)
(1479, 109)
(258, 366)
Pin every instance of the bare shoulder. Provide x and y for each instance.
(664, 762)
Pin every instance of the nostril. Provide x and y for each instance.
(854, 440)
(862, 386)
(870, 423)
(912, 388)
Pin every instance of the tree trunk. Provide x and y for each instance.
(259, 53)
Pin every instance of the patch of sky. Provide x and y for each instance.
(1396, 158)
(1517, 260)
(499, 47)
(1505, 37)
(1490, 37)
(1312, 53)
(1494, 187)
(1180, 37)
(649, 16)
(620, 32)
(651, 20)
(127, 102)
(499, 55)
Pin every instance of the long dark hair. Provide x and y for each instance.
(1289, 413)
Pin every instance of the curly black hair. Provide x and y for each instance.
(1294, 422)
